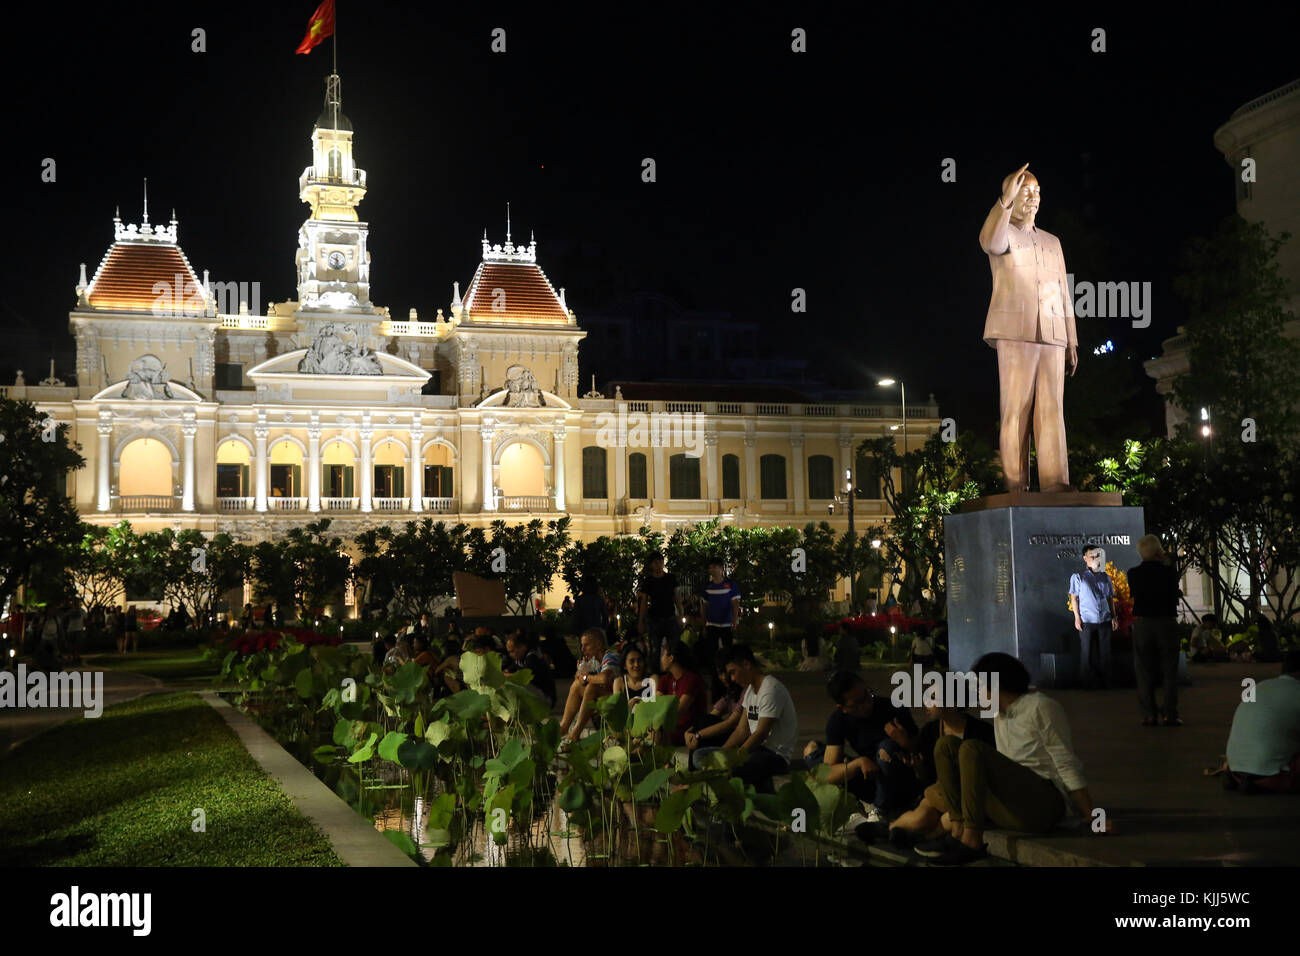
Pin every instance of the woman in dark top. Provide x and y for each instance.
(1154, 586)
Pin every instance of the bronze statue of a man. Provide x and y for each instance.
(1031, 324)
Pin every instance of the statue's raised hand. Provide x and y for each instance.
(1012, 189)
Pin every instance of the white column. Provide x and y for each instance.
(187, 466)
(847, 463)
(260, 467)
(620, 471)
(415, 483)
(367, 469)
(558, 470)
(751, 467)
(711, 489)
(796, 462)
(661, 488)
(313, 467)
(102, 466)
(485, 451)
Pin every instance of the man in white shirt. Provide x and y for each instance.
(769, 730)
(1031, 782)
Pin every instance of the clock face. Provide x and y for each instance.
(336, 260)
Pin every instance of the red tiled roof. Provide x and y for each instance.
(529, 298)
(704, 392)
(127, 278)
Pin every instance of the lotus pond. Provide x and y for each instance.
(475, 778)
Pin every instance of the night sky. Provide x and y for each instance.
(775, 170)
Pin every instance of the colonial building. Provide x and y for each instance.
(194, 411)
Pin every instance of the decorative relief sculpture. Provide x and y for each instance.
(147, 378)
(337, 350)
(523, 388)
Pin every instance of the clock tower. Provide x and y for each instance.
(333, 263)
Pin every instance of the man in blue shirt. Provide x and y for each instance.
(721, 610)
(1093, 600)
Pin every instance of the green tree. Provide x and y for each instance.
(614, 564)
(414, 564)
(532, 555)
(39, 525)
(193, 570)
(1241, 362)
(305, 569)
(103, 559)
(937, 478)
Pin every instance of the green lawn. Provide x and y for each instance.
(178, 666)
(120, 790)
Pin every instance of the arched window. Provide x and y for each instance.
(821, 477)
(730, 476)
(593, 472)
(637, 487)
(771, 474)
(683, 477)
(335, 164)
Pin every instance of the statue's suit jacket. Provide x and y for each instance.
(1031, 294)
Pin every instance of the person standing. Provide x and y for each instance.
(132, 634)
(1093, 599)
(721, 599)
(659, 609)
(1154, 586)
(76, 626)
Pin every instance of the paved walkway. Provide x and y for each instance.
(20, 724)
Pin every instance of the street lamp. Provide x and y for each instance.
(902, 397)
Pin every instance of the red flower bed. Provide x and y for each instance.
(251, 642)
(880, 624)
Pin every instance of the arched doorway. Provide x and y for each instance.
(522, 478)
(144, 478)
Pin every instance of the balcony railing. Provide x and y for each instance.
(595, 506)
(440, 506)
(525, 503)
(234, 504)
(286, 504)
(339, 504)
(390, 504)
(148, 503)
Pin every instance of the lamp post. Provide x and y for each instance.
(902, 397)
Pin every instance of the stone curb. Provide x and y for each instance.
(355, 840)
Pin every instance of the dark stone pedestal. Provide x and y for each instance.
(1008, 576)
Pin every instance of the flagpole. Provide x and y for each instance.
(334, 37)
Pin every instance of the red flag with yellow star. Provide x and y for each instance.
(319, 27)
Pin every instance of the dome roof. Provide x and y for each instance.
(326, 121)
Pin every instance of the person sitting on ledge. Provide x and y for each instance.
(1264, 742)
(522, 655)
(599, 668)
(769, 727)
(634, 683)
(715, 726)
(1031, 782)
(1204, 644)
(423, 655)
(680, 680)
(924, 819)
(882, 737)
